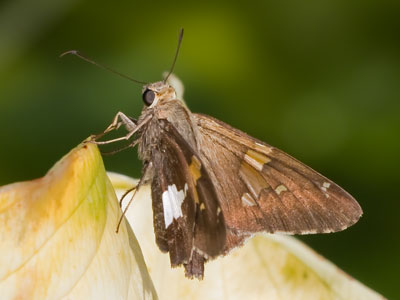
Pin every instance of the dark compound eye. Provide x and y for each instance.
(148, 97)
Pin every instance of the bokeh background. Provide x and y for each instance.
(318, 79)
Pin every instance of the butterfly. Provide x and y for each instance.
(214, 186)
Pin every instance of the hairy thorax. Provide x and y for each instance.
(176, 114)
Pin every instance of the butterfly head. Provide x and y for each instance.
(158, 91)
(161, 91)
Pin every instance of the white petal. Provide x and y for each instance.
(267, 267)
(58, 240)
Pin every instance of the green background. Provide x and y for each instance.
(318, 79)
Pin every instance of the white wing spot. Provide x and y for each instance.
(263, 148)
(172, 203)
(247, 200)
(280, 188)
(325, 186)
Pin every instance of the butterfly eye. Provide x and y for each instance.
(148, 97)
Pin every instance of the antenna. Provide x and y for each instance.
(176, 54)
(81, 56)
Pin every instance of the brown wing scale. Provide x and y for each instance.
(199, 234)
(176, 234)
(264, 189)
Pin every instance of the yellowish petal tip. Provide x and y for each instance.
(57, 236)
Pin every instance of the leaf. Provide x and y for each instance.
(267, 266)
(58, 240)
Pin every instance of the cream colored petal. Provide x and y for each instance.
(267, 267)
(177, 84)
(58, 240)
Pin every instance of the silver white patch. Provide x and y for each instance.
(325, 186)
(172, 203)
(280, 188)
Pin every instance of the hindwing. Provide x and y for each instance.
(188, 221)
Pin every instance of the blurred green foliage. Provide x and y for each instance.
(318, 79)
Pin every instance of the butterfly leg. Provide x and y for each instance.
(125, 194)
(135, 190)
(131, 145)
(127, 122)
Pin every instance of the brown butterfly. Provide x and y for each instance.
(213, 186)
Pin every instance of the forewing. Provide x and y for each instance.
(261, 188)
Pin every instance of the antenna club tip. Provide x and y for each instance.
(73, 52)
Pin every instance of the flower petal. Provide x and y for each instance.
(58, 240)
(268, 266)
